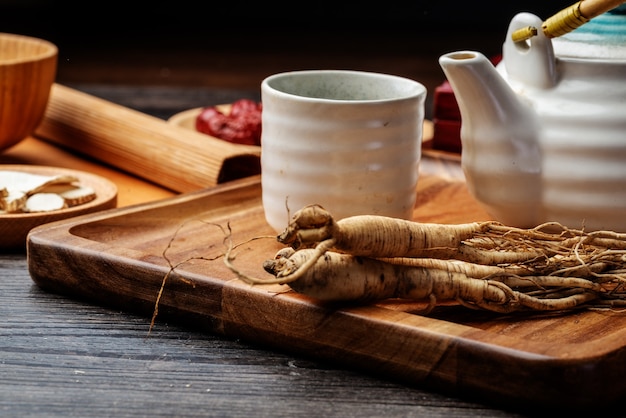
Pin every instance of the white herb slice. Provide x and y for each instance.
(30, 183)
(44, 202)
(27, 192)
(13, 202)
(78, 195)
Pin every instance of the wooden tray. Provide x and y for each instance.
(116, 258)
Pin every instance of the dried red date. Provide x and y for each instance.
(242, 125)
(244, 107)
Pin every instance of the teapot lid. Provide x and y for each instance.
(603, 37)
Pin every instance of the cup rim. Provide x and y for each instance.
(417, 90)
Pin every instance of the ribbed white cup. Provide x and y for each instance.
(347, 140)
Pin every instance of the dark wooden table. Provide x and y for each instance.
(61, 356)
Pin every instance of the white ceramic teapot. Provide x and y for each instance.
(544, 132)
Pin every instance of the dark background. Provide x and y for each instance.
(234, 45)
(75, 23)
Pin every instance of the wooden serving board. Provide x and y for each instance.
(116, 258)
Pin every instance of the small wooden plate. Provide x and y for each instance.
(187, 118)
(15, 227)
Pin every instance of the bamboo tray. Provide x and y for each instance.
(116, 258)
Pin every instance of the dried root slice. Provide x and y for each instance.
(44, 202)
(73, 194)
(26, 192)
(31, 183)
(13, 201)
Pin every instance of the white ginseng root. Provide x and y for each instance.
(483, 265)
(343, 277)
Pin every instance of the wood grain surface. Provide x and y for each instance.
(176, 158)
(120, 258)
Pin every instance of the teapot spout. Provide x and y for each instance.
(499, 136)
(483, 96)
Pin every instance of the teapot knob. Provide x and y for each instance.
(532, 61)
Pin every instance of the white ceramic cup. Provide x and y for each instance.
(347, 140)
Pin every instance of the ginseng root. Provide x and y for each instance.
(487, 243)
(377, 236)
(483, 265)
(344, 277)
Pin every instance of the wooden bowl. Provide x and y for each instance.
(14, 227)
(27, 71)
